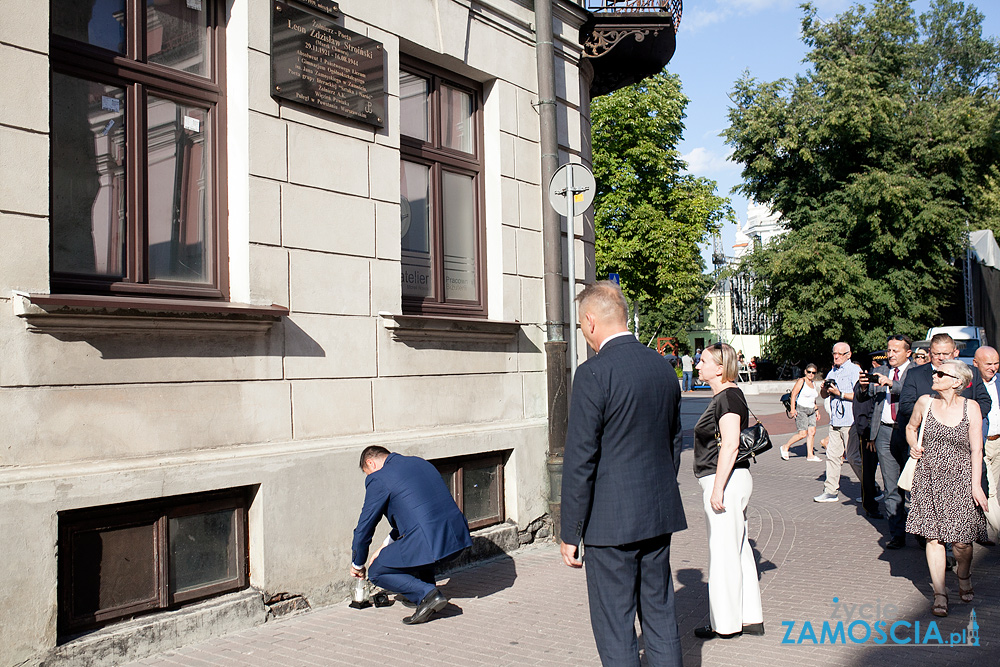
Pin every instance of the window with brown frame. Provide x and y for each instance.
(120, 561)
(440, 126)
(137, 136)
(476, 484)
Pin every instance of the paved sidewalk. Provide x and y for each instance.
(532, 610)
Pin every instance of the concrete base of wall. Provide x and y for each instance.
(141, 637)
(133, 640)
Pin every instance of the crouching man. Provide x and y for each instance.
(427, 529)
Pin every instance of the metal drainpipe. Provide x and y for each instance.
(555, 343)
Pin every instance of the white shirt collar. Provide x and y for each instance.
(617, 335)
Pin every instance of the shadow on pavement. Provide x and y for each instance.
(481, 580)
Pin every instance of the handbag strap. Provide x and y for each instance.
(923, 423)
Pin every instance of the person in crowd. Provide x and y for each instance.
(921, 356)
(987, 361)
(427, 529)
(885, 394)
(839, 387)
(947, 500)
(863, 412)
(733, 591)
(619, 491)
(804, 411)
(687, 370)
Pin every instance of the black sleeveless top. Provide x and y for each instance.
(706, 447)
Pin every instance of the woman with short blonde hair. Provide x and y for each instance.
(947, 502)
(725, 357)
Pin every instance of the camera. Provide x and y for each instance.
(872, 377)
(829, 383)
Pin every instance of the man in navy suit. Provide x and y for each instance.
(886, 418)
(427, 528)
(619, 490)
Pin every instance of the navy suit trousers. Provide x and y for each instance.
(413, 583)
(629, 580)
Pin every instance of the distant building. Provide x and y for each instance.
(732, 313)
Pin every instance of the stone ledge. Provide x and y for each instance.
(447, 328)
(61, 314)
(135, 639)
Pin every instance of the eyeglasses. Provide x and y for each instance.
(920, 356)
(840, 354)
(810, 372)
(942, 374)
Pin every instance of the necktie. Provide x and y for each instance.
(892, 400)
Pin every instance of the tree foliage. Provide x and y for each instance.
(876, 157)
(650, 216)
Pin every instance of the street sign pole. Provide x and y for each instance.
(571, 270)
(571, 192)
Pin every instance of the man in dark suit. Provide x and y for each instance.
(886, 418)
(619, 491)
(918, 383)
(864, 410)
(427, 528)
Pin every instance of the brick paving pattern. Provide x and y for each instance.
(532, 610)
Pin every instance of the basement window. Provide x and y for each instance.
(119, 561)
(476, 484)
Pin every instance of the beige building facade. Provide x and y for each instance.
(213, 298)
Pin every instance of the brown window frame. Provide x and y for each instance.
(140, 80)
(441, 158)
(157, 513)
(456, 466)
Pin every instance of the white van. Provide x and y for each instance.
(968, 339)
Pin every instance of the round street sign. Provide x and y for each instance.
(584, 187)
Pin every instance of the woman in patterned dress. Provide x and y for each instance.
(947, 499)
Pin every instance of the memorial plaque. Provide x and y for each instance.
(316, 62)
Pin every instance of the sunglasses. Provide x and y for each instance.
(920, 356)
(942, 374)
(810, 372)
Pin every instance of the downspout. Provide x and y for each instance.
(555, 342)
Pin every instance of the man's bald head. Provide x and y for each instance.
(605, 301)
(987, 360)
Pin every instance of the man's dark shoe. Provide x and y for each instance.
(753, 629)
(708, 633)
(874, 515)
(406, 603)
(432, 602)
(897, 542)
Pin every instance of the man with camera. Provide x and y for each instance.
(885, 385)
(839, 387)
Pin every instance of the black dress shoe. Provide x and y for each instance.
(708, 633)
(406, 603)
(432, 602)
(897, 542)
(874, 515)
(753, 629)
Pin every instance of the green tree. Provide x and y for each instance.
(649, 215)
(877, 157)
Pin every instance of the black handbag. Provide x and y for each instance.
(786, 400)
(754, 440)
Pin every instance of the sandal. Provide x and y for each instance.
(967, 594)
(784, 453)
(940, 609)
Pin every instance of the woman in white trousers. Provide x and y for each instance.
(733, 590)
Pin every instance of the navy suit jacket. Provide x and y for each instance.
(622, 448)
(427, 525)
(880, 394)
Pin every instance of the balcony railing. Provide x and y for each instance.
(628, 40)
(672, 7)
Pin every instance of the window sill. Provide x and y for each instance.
(448, 328)
(79, 314)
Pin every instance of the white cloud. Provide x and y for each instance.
(702, 161)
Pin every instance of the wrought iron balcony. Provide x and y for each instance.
(628, 40)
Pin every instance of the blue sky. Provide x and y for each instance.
(717, 41)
